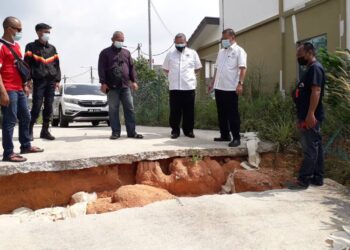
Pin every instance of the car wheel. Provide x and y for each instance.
(63, 122)
(95, 123)
(55, 122)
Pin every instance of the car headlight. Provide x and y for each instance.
(70, 100)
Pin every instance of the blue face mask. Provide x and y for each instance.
(118, 45)
(18, 36)
(225, 43)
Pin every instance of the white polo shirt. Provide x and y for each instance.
(181, 67)
(227, 66)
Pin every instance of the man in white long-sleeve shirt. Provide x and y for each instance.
(181, 66)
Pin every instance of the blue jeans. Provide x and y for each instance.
(313, 164)
(123, 95)
(17, 110)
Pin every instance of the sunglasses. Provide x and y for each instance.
(18, 29)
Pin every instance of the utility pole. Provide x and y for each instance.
(91, 75)
(150, 35)
(139, 50)
(64, 78)
(92, 78)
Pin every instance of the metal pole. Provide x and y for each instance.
(150, 35)
(91, 75)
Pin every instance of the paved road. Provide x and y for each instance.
(246, 221)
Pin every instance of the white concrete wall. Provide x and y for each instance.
(348, 24)
(291, 4)
(240, 14)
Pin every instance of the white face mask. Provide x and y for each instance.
(118, 45)
(45, 37)
(18, 36)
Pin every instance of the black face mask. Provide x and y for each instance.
(302, 61)
(180, 49)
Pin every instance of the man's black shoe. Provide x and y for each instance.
(222, 139)
(190, 135)
(234, 143)
(174, 136)
(47, 135)
(114, 136)
(316, 182)
(298, 185)
(136, 136)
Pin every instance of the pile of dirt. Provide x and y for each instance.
(128, 196)
(187, 177)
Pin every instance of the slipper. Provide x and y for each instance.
(31, 150)
(14, 158)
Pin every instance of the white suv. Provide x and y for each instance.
(80, 102)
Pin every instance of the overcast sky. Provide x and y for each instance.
(82, 28)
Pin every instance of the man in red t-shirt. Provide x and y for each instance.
(13, 94)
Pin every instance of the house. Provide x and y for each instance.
(269, 31)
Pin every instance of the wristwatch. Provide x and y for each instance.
(240, 82)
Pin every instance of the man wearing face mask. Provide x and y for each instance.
(308, 97)
(231, 67)
(43, 60)
(117, 75)
(13, 99)
(181, 65)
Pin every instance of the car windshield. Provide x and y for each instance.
(80, 89)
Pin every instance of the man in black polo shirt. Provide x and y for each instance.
(308, 99)
(43, 59)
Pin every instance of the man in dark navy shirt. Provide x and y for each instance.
(308, 99)
(117, 75)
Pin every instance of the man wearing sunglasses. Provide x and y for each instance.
(15, 107)
(43, 60)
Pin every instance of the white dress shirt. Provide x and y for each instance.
(181, 67)
(228, 64)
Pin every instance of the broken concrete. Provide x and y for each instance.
(85, 147)
(273, 220)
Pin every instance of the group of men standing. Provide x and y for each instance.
(42, 61)
(118, 77)
(181, 66)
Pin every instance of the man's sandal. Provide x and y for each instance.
(14, 158)
(31, 150)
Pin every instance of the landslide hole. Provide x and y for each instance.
(275, 168)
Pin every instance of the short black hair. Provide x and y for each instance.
(180, 35)
(42, 26)
(309, 47)
(229, 31)
(8, 21)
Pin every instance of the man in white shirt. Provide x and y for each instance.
(181, 65)
(231, 66)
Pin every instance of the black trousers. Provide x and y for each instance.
(43, 92)
(182, 106)
(228, 115)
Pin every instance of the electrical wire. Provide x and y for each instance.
(78, 74)
(160, 19)
(159, 54)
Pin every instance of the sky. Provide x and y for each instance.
(82, 28)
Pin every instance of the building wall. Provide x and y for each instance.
(291, 4)
(240, 14)
(348, 24)
(315, 21)
(263, 46)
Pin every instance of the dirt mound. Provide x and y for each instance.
(187, 177)
(128, 196)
